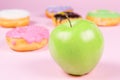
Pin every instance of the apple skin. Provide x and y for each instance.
(76, 49)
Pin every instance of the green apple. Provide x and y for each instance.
(77, 49)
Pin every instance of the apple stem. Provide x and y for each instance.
(67, 18)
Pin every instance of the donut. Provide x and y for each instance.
(11, 18)
(104, 17)
(52, 10)
(27, 38)
(60, 18)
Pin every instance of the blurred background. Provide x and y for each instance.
(81, 6)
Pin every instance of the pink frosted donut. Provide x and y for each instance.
(27, 38)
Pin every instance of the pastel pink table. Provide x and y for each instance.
(39, 65)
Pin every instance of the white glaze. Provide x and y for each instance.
(14, 13)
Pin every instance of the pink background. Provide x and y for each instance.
(39, 65)
(82, 6)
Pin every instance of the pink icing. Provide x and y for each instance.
(29, 33)
(13, 42)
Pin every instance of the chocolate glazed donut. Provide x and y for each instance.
(60, 17)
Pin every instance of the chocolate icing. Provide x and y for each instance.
(61, 17)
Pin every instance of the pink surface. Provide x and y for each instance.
(39, 65)
(82, 6)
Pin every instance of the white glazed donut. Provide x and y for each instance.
(10, 18)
